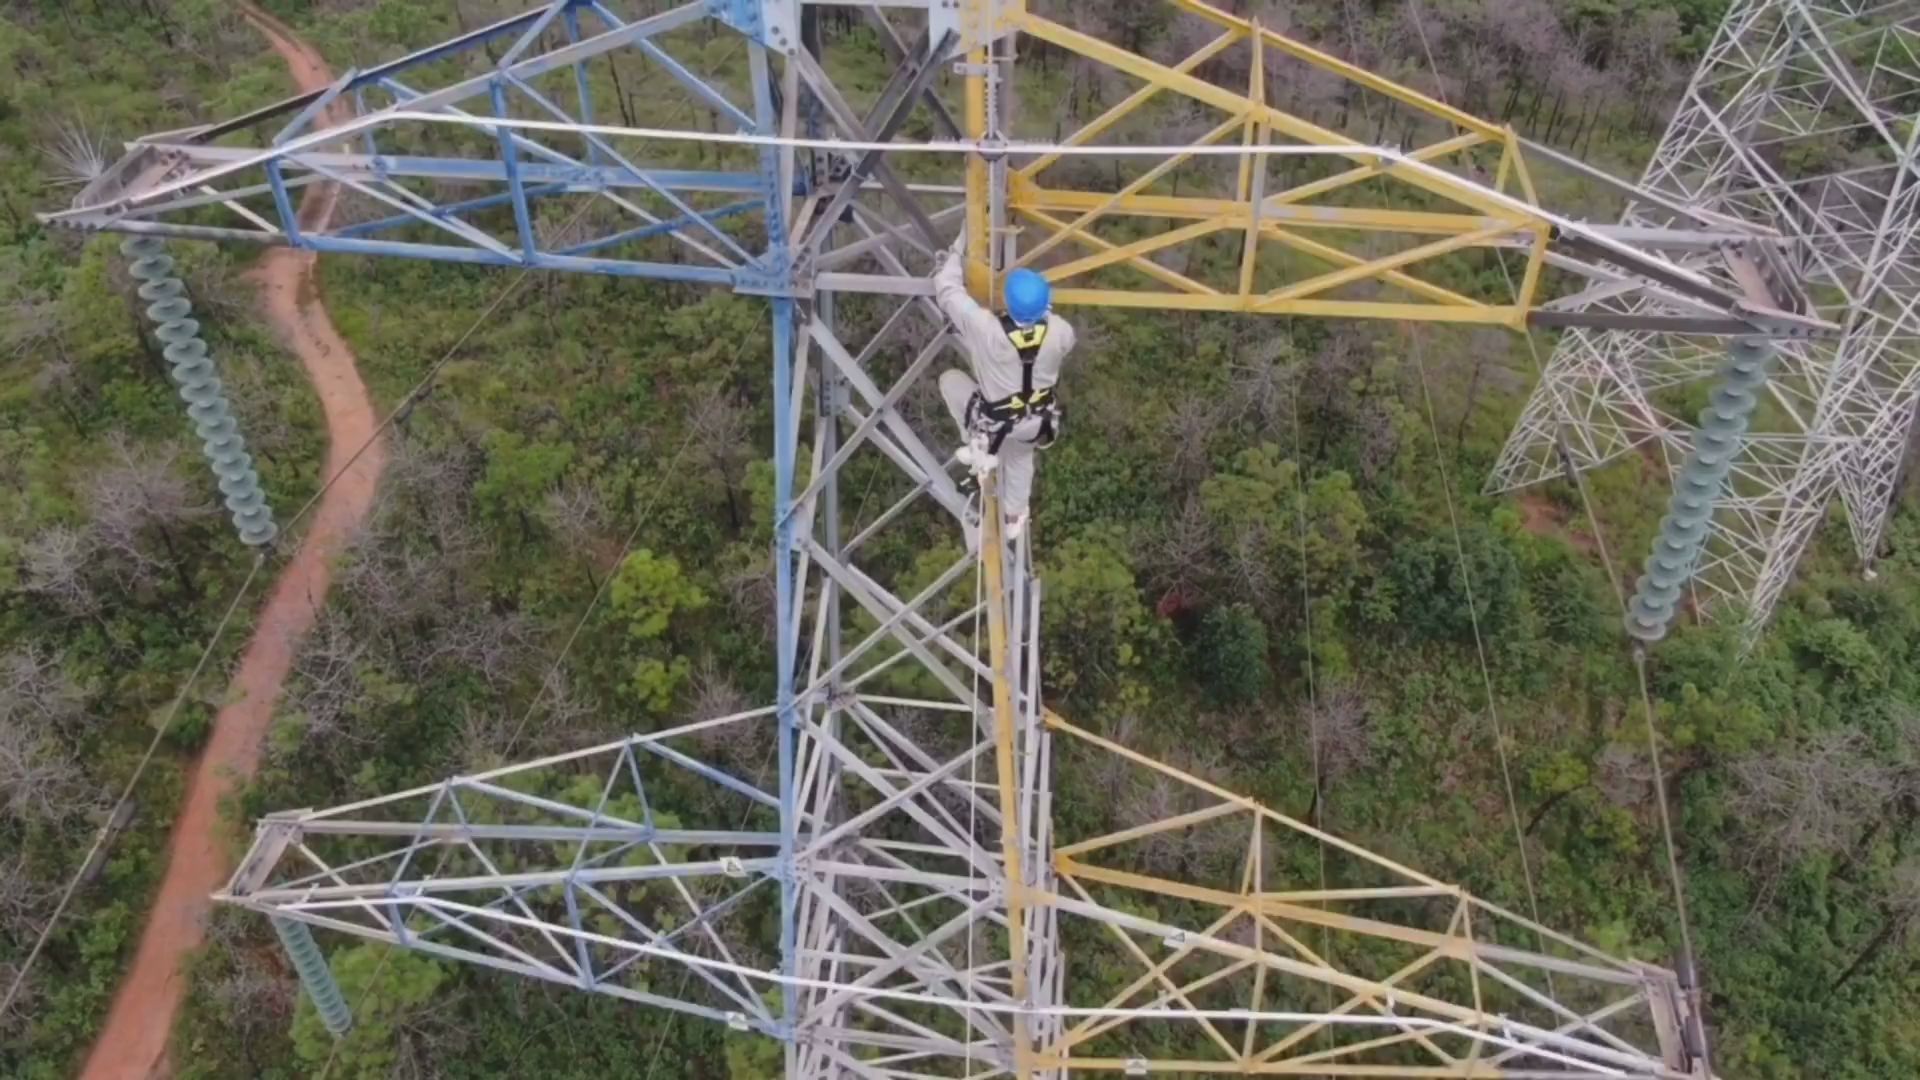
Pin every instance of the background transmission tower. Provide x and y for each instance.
(1800, 120)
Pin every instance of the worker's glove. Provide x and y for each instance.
(958, 249)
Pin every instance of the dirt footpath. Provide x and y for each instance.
(133, 1044)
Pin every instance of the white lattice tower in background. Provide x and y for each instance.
(1801, 119)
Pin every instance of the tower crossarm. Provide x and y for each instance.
(1299, 219)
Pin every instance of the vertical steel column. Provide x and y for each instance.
(510, 159)
(979, 181)
(786, 433)
(581, 89)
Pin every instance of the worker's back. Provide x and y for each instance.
(996, 361)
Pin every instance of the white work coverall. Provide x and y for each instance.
(996, 367)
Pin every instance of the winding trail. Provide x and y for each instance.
(132, 1045)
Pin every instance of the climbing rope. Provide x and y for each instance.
(200, 387)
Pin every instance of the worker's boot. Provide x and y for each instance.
(976, 457)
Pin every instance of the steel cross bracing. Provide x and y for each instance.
(867, 869)
(1801, 120)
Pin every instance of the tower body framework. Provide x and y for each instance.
(867, 869)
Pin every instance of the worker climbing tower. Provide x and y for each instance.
(1800, 122)
(874, 869)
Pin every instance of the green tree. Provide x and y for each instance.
(651, 593)
(386, 989)
(1229, 655)
(518, 476)
(1096, 630)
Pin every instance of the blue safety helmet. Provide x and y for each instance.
(1028, 296)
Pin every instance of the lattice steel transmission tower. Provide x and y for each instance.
(1801, 122)
(903, 898)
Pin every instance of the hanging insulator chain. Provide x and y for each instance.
(1697, 488)
(192, 371)
(314, 974)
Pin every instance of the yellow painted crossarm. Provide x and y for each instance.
(1257, 95)
(1301, 1034)
(1093, 1026)
(1403, 94)
(1294, 912)
(1370, 1001)
(1226, 100)
(1334, 1054)
(1133, 101)
(1145, 266)
(1187, 1067)
(1193, 207)
(1503, 315)
(1375, 267)
(1353, 984)
(1429, 153)
(1056, 722)
(1334, 255)
(1146, 245)
(1138, 184)
(1253, 171)
(1520, 169)
(1530, 282)
(1181, 821)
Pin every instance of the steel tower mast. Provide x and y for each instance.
(899, 903)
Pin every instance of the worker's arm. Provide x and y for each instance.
(1064, 330)
(950, 286)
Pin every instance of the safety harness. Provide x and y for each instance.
(999, 418)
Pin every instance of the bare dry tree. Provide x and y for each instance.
(35, 688)
(326, 690)
(1338, 721)
(1189, 428)
(1263, 381)
(750, 596)
(1178, 558)
(1624, 775)
(1814, 800)
(564, 714)
(139, 496)
(723, 440)
(23, 898)
(54, 564)
(713, 696)
(40, 777)
(252, 994)
(577, 515)
(493, 645)
(483, 739)
(42, 714)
